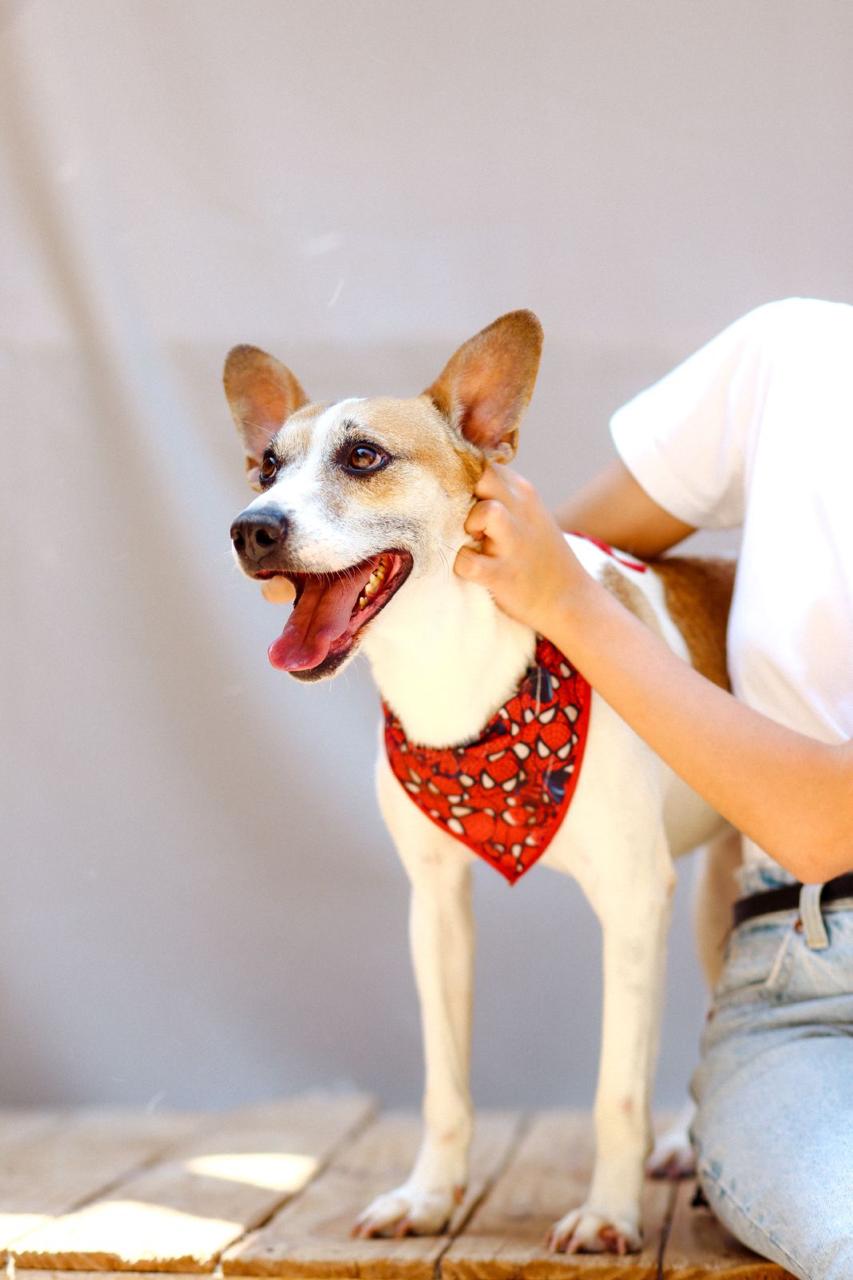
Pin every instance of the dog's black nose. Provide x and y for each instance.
(256, 533)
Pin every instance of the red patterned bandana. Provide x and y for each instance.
(505, 794)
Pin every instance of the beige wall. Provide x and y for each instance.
(199, 901)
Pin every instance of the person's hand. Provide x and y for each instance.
(278, 590)
(523, 559)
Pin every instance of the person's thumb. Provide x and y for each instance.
(278, 590)
(472, 564)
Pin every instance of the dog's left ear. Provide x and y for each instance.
(262, 393)
(486, 386)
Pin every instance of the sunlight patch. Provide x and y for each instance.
(275, 1170)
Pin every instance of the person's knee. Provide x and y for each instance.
(748, 1225)
(818, 1249)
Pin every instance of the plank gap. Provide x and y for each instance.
(180, 1214)
(521, 1129)
(666, 1227)
(60, 1169)
(347, 1139)
(272, 1191)
(700, 1248)
(311, 1238)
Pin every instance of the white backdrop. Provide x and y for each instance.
(199, 902)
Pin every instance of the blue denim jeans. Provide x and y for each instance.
(774, 1091)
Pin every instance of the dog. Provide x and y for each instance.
(360, 514)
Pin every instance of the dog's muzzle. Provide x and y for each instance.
(258, 534)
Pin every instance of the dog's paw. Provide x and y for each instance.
(585, 1230)
(672, 1156)
(407, 1211)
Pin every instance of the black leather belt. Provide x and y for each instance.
(788, 897)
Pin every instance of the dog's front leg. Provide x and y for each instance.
(634, 917)
(441, 933)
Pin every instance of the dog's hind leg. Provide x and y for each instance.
(714, 891)
(441, 933)
(633, 904)
(672, 1156)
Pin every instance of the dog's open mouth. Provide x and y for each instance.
(331, 609)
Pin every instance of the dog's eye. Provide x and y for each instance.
(268, 468)
(365, 457)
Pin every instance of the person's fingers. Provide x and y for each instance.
(523, 489)
(488, 518)
(494, 484)
(278, 590)
(472, 564)
(515, 492)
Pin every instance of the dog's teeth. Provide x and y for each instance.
(375, 581)
(362, 602)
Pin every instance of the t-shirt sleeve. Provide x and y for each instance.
(687, 438)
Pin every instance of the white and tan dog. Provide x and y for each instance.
(362, 508)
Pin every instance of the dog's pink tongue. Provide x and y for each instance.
(318, 618)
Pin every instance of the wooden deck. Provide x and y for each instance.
(273, 1190)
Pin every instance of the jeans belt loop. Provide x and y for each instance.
(811, 917)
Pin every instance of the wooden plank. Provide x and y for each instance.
(45, 1157)
(547, 1175)
(700, 1248)
(62, 1164)
(311, 1238)
(180, 1215)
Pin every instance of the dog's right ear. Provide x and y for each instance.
(484, 388)
(262, 393)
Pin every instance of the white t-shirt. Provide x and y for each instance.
(756, 430)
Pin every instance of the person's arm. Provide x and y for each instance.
(615, 508)
(789, 793)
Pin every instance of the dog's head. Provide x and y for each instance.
(356, 496)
